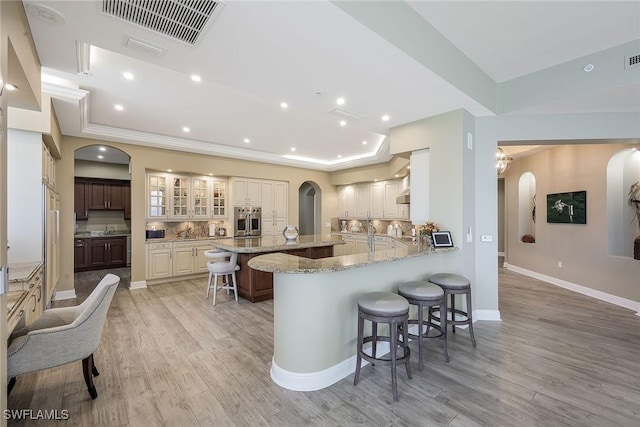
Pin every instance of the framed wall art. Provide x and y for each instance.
(567, 208)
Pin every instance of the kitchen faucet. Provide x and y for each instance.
(371, 231)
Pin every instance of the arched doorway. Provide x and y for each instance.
(310, 208)
(102, 208)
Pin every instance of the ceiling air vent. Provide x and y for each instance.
(183, 20)
(632, 61)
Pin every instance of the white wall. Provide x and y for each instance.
(24, 196)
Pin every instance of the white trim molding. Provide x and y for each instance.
(60, 295)
(141, 284)
(310, 381)
(594, 293)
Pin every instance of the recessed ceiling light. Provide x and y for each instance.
(408, 167)
(10, 87)
(364, 142)
(340, 101)
(169, 170)
(284, 105)
(100, 156)
(196, 78)
(588, 68)
(339, 156)
(210, 174)
(343, 123)
(118, 107)
(247, 140)
(293, 148)
(385, 118)
(186, 129)
(127, 75)
(397, 175)
(102, 149)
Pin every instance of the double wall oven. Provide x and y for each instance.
(247, 221)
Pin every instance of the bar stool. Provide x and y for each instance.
(383, 307)
(224, 268)
(453, 284)
(426, 295)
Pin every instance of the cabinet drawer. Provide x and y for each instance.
(166, 245)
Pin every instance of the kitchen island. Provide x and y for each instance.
(257, 285)
(315, 307)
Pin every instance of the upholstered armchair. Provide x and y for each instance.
(63, 335)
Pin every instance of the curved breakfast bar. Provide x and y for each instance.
(315, 315)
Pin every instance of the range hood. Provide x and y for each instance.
(404, 198)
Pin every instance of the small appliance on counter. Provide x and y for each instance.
(222, 231)
(212, 230)
(343, 226)
(154, 234)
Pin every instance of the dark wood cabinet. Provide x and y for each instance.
(81, 200)
(257, 285)
(80, 254)
(100, 252)
(126, 194)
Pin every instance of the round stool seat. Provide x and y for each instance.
(383, 304)
(222, 267)
(449, 280)
(421, 290)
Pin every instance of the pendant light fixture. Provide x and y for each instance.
(502, 161)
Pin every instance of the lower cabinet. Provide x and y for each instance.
(95, 253)
(34, 287)
(171, 259)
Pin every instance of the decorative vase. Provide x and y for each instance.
(636, 248)
(290, 232)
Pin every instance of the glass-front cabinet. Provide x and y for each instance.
(157, 191)
(190, 197)
(180, 196)
(219, 198)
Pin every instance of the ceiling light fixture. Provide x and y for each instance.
(102, 149)
(340, 101)
(247, 140)
(364, 142)
(339, 156)
(385, 118)
(10, 87)
(588, 68)
(118, 107)
(293, 148)
(127, 75)
(186, 129)
(503, 161)
(284, 105)
(196, 78)
(343, 123)
(169, 170)
(100, 156)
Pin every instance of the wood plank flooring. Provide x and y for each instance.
(169, 358)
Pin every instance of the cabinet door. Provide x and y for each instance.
(361, 245)
(179, 197)
(156, 197)
(183, 260)
(254, 192)
(80, 200)
(117, 249)
(159, 263)
(200, 197)
(115, 193)
(377, 200)
(126, 194)
(363, 200)
(347, 201)
(281, 199)
(200, 259)
(390, 194)
(98, 253)
(219, 199)
(80, 254)
(97, 196)
(268, 198)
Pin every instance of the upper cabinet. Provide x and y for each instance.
(377, 199)
(275, 205)
(246, 191)
(185, 197)
(48, 168)
(101, 194)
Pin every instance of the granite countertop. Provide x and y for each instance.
(403, 238)
(185, 239)
(285, 263)
(21, 272)
(277, 243)
(89, 235)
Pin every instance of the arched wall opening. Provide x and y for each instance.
(310, 208)
(623, 170)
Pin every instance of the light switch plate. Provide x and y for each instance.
(486, 238)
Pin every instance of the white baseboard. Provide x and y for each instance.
(603, 296)
(60, 295)
(318, 380)
(500, 253)
(141, 284)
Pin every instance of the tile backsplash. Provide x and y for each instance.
(103, 221)
(194, 229)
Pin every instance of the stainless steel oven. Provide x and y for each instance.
(247, 221)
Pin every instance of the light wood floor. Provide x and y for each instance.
(169, 358)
